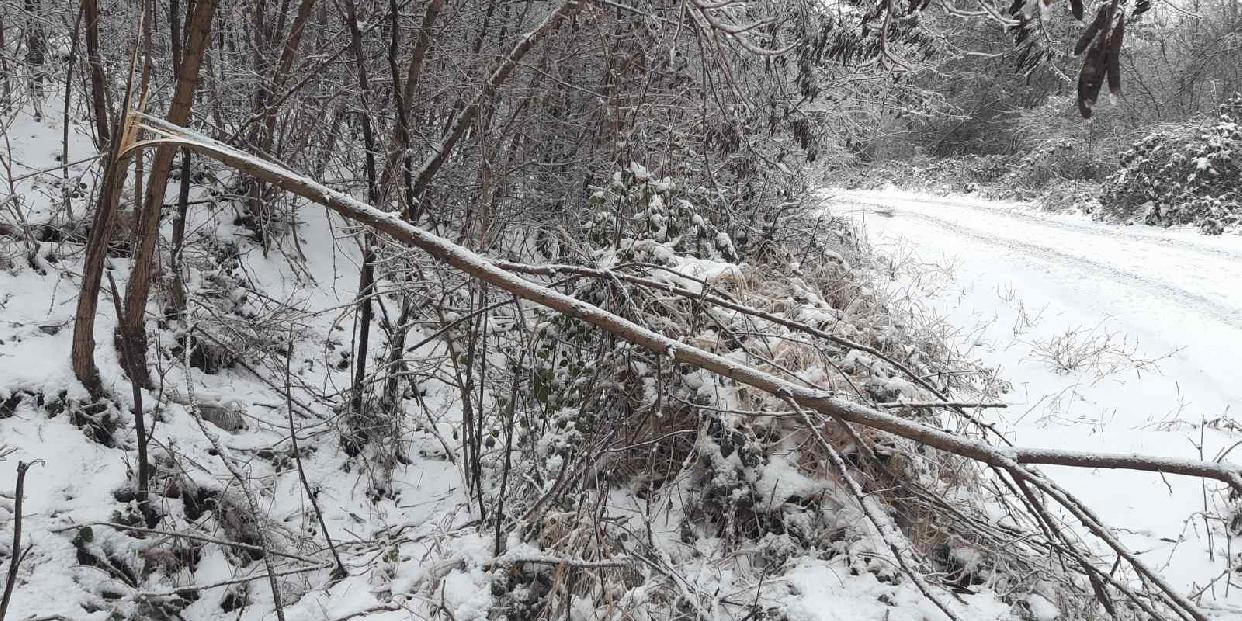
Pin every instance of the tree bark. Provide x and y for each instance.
(178, 294)
(138, 289)
(99, 90)
(15, 556)
(366, 274)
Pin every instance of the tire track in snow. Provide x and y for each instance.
(1223, 313)
(1140, 234)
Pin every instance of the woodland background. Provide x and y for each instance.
(338, 309)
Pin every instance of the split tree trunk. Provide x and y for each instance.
(138, 289)
(99, 91)
(83, 352)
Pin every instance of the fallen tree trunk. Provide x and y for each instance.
(825, 402)
(477, 266)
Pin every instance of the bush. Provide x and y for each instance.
(947, 174)
(1054, 160)
(1181, 174)
(1055, 149)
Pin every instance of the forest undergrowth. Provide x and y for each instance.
(511, 461)
(469, 310)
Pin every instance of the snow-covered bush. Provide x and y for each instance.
(1184, 174)
(1054, 147)
(1053, 161)
(624, 453)
(961, 174)
(634, 205)
(1050, 163)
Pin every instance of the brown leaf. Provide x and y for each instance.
(1091, 78)
(1088, 35)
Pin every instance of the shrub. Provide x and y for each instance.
(1181, 174)
(1055, 149)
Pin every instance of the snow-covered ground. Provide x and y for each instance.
(1117, 339)
(76, 480)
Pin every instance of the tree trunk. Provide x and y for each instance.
(99, 91)
(138, 289)
(178, 294)
(398, 155)
(366, 275)
(176, 37)
(64, 119)
(83, 352)
(6, 87)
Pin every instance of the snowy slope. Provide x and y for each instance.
(79, 482)
(413, 548)
(1118, 339)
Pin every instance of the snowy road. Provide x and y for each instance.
(1118, 339)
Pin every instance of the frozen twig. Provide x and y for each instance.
(251, 502)
(339, 572)
(15, 555)
(270, 576)
(717, 300)
(193, 537)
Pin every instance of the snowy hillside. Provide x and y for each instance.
(371, 310)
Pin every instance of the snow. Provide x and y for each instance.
(1041, 609)
(77, 479)
(468, 593)
(1148, 322)
(1161, 291)
(826, 591)
(780, 479)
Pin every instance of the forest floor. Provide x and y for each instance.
(1113, 338)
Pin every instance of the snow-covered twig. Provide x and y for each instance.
(718, 300)
(15, 553)
(339, 571)
(270, 577)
